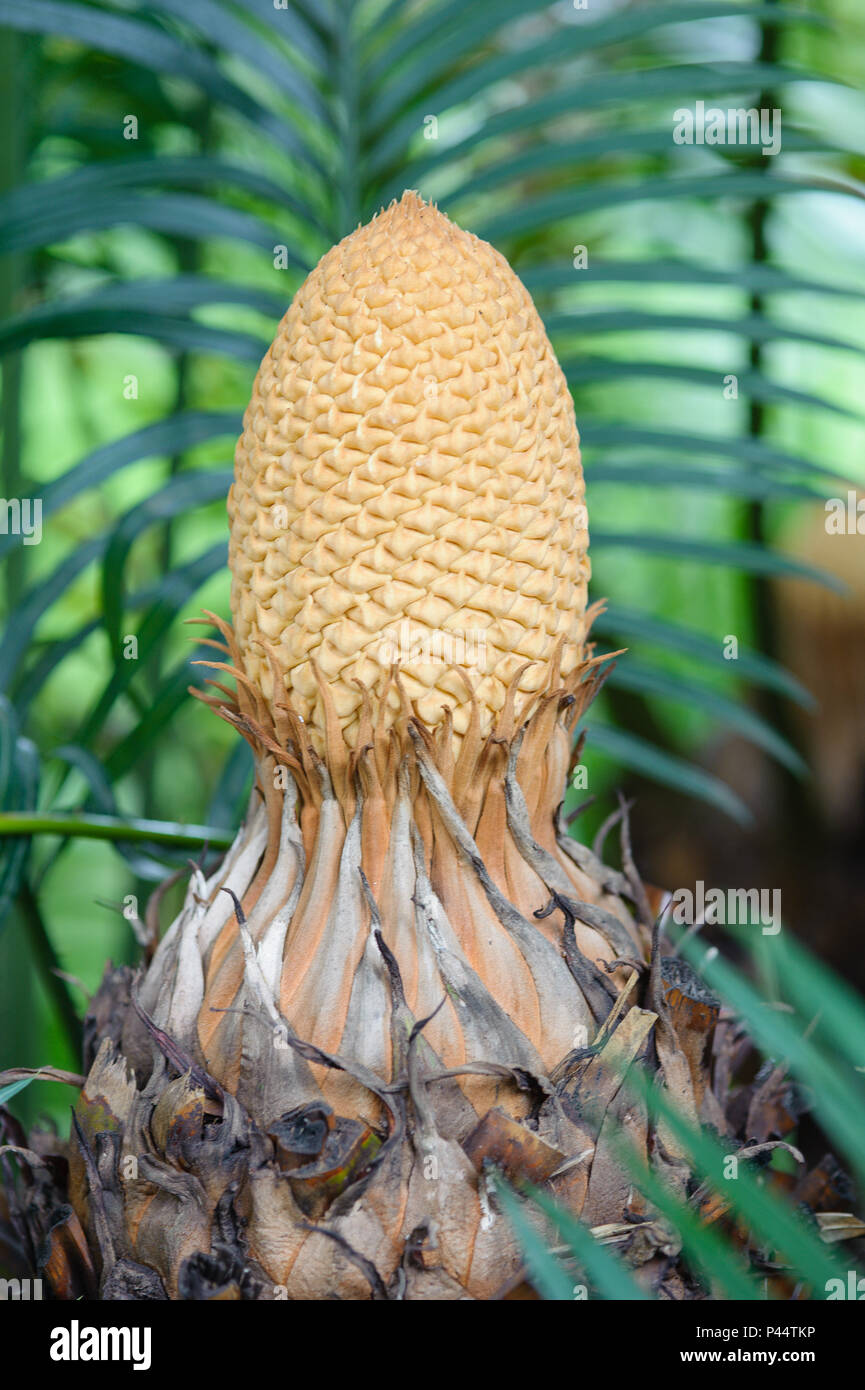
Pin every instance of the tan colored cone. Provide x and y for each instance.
(408, 484)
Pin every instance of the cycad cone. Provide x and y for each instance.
(408, 482)
(409, 455)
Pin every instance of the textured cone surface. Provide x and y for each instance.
(408, 483)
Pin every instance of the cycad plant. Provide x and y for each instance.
(271, 1073)
(404, 973)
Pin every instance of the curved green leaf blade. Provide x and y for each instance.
(19, 788)
(612, 1278)
(741, 555)
(839, 1104)
(19, 629)
(619, 621)
(751, 384)
(176, 214)
(171, 593)
(760, 279)
(183, 492)
(170, 437)
(530, 214)
(101, 797)
(79, 320)
(593, 93)
(143, 43)
(651, 680)
(571, 154)
(732, 482)
(548, 1276)
(740, 448)
(659, 766)
(772, 1219)
(84, 825)
(75, 191)
(753, 327)
(219, 27)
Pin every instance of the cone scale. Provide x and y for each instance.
(392, 979)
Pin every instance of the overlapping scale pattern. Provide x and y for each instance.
(408, 484)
